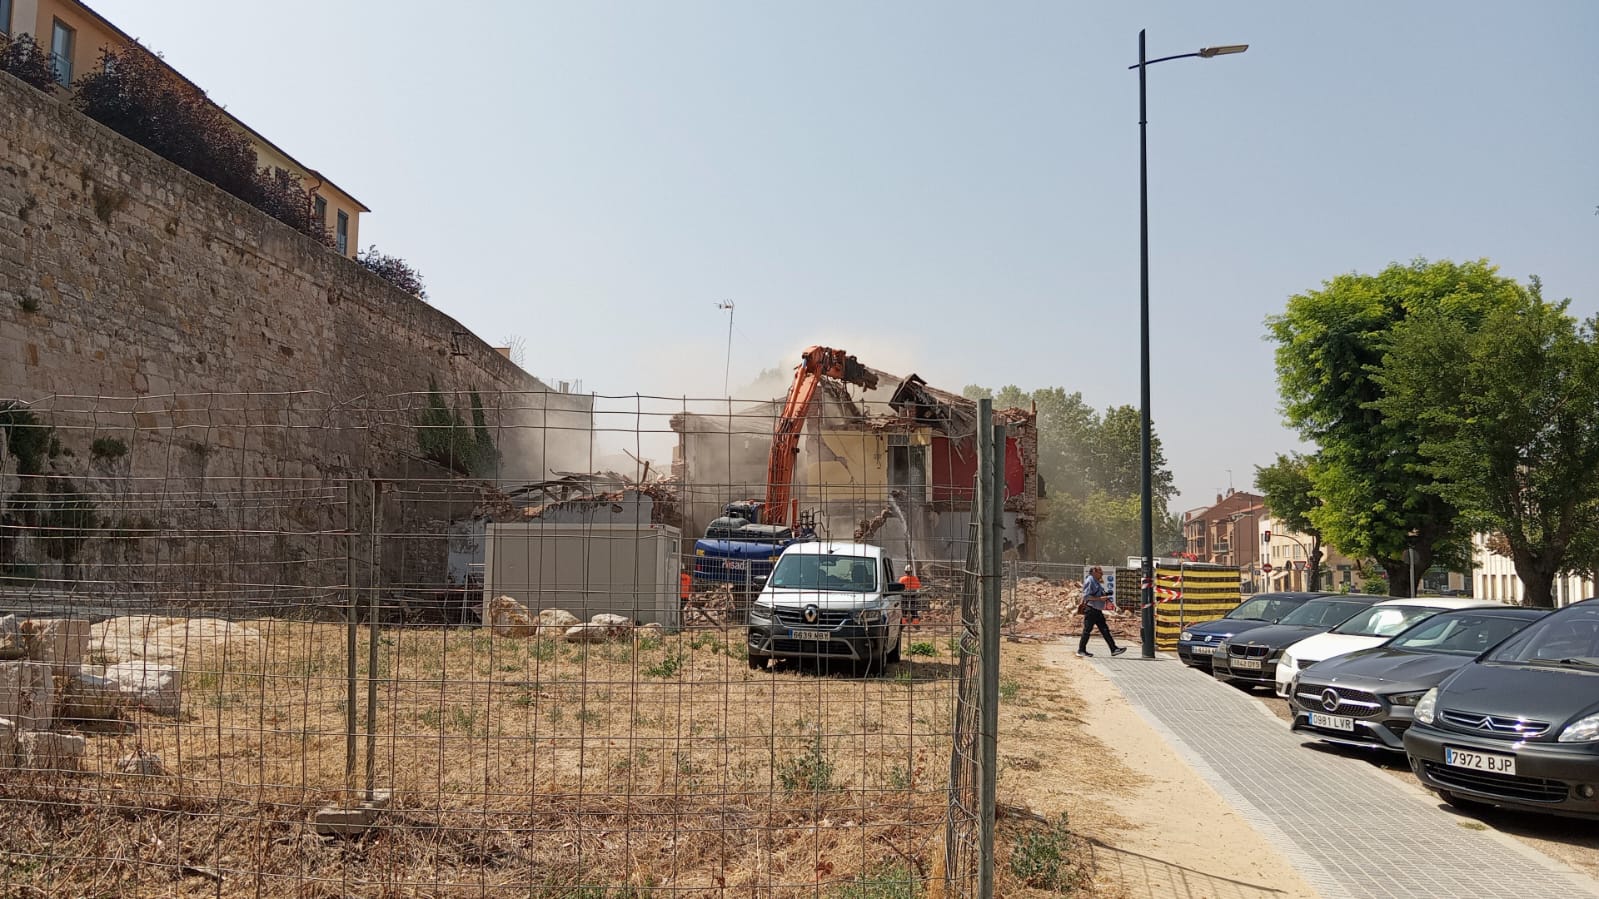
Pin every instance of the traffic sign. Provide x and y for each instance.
(1265, 567)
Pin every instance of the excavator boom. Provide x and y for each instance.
(816, 363)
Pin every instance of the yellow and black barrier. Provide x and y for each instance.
(1186, 595)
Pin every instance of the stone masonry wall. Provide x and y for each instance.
(227, 353)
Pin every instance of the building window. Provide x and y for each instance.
(321, 212)
(61, 38)
(341, 235)
(5, 16)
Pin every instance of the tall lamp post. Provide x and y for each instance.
(1147, 594)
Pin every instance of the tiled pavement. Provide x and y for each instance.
(1350, 829)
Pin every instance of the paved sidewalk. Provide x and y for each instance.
(1350, 829)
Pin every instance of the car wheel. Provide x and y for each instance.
(757, 662)
(1461, 803)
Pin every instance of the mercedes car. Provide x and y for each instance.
(1519, 725)
(1366, 698)
(1198, 642)
(1250, 659)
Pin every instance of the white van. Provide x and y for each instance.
(829, 600)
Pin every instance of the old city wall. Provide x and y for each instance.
(214, 352)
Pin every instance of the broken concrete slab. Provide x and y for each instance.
(88, 697)
(47, 751)
(140, 763)
(8, 743)
(60, 642)
(154, 687)
(510, 618)
(27, 694)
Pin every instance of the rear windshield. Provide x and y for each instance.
(1323, 612)
(1265, 608)
(825, 571)
(1384, 621)
(1569, 637)
(1464, 635)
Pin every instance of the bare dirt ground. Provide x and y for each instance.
(1571, 841)
(1071, 744)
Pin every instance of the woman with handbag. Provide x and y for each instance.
(1092, 608)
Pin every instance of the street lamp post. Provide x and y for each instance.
(1147, 594)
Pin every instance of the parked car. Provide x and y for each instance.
(1365, 698)
(829, 600)
(1372, 627)
(1198, 642)
(1250, 659)
(1519, 725)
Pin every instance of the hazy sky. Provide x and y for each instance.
(946, 188)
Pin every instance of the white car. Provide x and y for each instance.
(1369, 628)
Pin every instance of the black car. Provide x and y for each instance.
(1197, 643)
(1250, 659)
(1519, 725)
(1366, 698)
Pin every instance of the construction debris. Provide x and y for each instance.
(47, 751)
(140, 763)
(334, 820)
(169, 639)
(59, 642)
(151, 686)
(27, 695)
(602, 628)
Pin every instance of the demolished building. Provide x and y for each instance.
(895, 464)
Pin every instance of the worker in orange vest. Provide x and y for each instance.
(912, 584)
(686, 582)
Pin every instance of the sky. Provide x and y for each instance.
(938, 187)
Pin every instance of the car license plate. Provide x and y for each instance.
(1246, 664)
(1204, 650)
(815, 636)
(1331, 722)
(1480, 761)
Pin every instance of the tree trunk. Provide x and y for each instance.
(1315, 565)
(1398, 571)
(1537, 581)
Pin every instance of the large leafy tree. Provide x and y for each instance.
(1506, 411)
(1089, 461)
(1371, 475)
(1291, 498)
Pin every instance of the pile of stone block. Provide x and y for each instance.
(44, 684)
(509, 618)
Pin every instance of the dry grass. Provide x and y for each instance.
(519, 768)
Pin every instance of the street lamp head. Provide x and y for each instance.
(1224, 50)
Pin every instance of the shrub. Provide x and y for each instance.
(26, 60)
(922, 649)
(811, 771)
(1042, 858)
(107, 448)
(394, 270)
(668, 667)
(136, 95)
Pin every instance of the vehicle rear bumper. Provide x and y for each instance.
(1548, 775)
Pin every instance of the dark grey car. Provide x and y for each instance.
(1518, 726)
(1250, 658)
(1366, 698)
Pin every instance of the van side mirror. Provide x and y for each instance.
(896, 587)
(760, 581)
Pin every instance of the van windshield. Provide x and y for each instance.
(825, 571)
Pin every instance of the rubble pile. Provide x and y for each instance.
(1040, 608)
(509, 618)
(532, 502)
(44, 685)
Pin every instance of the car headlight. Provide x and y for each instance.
(1406, 699)
(760, 614)
(1287, 661)
(1186, 636)
(1585, 730)
(869, 616)
(1426, 707)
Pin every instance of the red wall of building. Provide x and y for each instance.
(955, 468)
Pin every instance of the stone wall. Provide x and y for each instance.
(223, 360)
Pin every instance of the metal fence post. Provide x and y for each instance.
(375, 580)
(990, 534)
(351, 612)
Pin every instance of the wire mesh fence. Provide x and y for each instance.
(455, 643)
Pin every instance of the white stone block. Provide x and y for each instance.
(45, 751)
(27, 695)
(61, 642)
(156, 688)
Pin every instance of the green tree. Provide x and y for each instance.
(1090, 464)
(1291, 498)
(1376, 497)
(1505, 408)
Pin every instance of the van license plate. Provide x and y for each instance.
(1480, 761)
(815, 636)
(1331, 722)
(1246, 664)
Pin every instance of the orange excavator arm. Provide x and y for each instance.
(816, 363)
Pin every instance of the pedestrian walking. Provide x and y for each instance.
(1095, 596)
